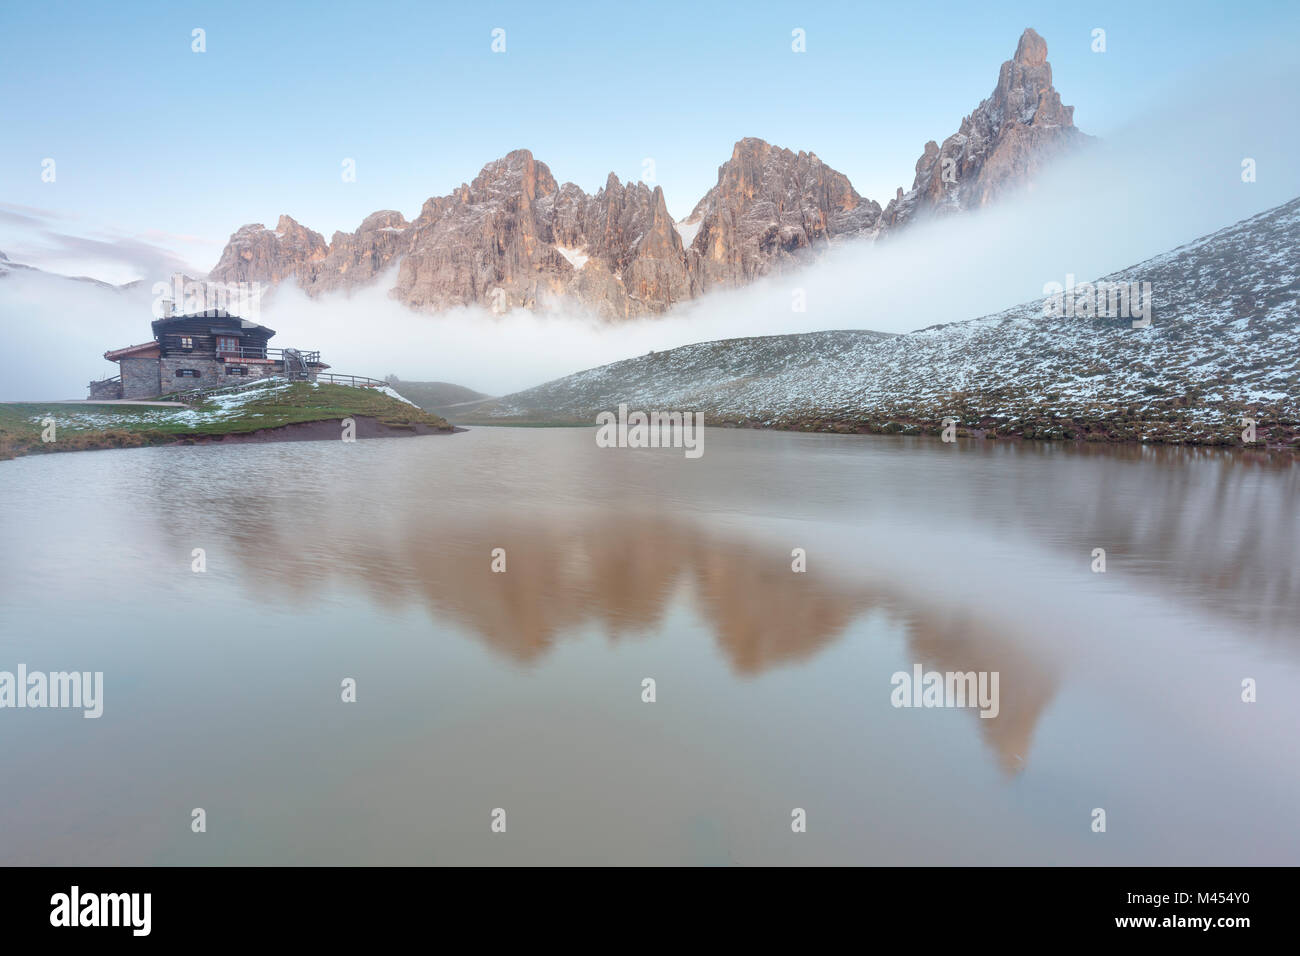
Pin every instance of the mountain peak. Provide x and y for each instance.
(384, 219)
(769, 208)
(1000, 146)
(1031, 50)
(750, 145)
(518, 173)
(1024, 92)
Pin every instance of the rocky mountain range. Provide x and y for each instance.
(514, 237)
(1222, 344)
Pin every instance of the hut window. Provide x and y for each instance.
(187, 342)
(187, 373)
(236, 370)
(227, 343)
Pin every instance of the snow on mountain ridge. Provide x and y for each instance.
(1224, 342)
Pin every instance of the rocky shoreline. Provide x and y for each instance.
(1285, 437)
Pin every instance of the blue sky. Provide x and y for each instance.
(161, 148)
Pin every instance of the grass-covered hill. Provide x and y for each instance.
(256, 408)
(435, 396)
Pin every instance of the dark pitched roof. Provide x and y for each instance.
(210, 315)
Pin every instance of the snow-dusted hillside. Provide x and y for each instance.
(1223, 342)
(708, 375)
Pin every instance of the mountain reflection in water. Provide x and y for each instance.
(480, 689)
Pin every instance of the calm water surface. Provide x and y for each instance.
(522, 690)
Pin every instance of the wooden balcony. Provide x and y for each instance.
(245, 354)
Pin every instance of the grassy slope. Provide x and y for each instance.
(230, 411)
(692, 376)
(434, 396)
